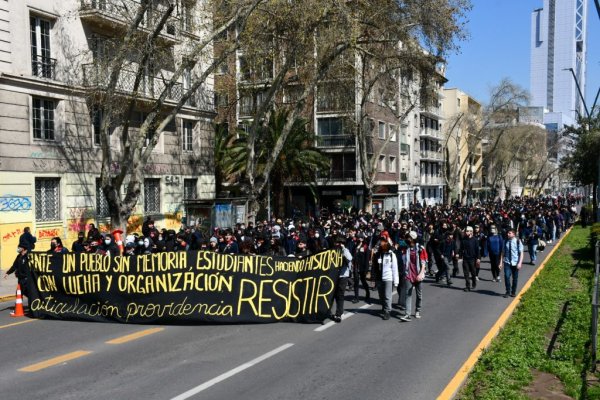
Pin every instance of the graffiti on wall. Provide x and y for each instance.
(48, 233)
(12, 234)
(14, 203)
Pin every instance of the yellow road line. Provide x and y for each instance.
(17, 323)
(54, 361)
(461, 375)
(134, 336)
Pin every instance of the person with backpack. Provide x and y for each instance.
(532, 234)
(513, 261)
(385, 268)
(415, 265)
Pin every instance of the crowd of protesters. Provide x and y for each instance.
(390, 249)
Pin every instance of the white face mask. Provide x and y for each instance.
(317, 235)
(107, 241)
(19, 250)
(146, 243)
(141, 242)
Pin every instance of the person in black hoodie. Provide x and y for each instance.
(19, 267)
(470, 254)
(77, 246)
(360, 265)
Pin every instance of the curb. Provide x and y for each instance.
(7, 298)
(461, 375)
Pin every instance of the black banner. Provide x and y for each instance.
(182, 287)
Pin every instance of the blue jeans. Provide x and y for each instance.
(532, 252)
(508, 271)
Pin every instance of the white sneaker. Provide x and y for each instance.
(498, 280)
(477, 278)
(418, 314)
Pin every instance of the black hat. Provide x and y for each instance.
(340, 239)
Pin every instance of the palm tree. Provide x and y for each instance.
(299, 160)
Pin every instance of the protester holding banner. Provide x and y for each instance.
(56, 246)
(342, 282)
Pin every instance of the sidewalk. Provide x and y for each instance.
(8, 286)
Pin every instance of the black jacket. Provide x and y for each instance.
(19, 267)
(470, 248)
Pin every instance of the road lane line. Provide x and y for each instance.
(231, 373)
(54, 361)
(17, 323)
(461, 375)
(134, 336)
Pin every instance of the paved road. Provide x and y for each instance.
(364, 357)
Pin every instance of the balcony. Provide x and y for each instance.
(151, 87)
(43, 67)
(340, 175)
(431, 155)
(120, 13)
(432, 180)
(431, 133)
(404, 148)
(335, 141)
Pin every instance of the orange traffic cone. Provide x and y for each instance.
(18, 304)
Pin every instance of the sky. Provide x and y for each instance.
(498, 47)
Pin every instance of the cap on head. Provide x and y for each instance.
(413, 235)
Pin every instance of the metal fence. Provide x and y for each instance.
(595, 306)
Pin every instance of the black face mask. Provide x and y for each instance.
(52, 246)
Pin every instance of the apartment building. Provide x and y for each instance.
(463, 145)
(399, 136)
(51, 67)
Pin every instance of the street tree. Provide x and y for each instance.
(584, 163)
(487, 130)
(312, 43)
(297, 161)
(125, 152)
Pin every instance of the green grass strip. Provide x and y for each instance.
(505, 368)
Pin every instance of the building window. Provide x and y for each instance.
(188, 135)
(190, 189)
(381, 163)
(392, 164)
(101, 202)
(381, 130)
(221, 99)
(393, 133)
(96, 124)
(42, 65)
(47, 199)
(330, 126)
(43, 119)
(187, 16)
(152, 196)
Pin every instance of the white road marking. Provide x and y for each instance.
(231, 373)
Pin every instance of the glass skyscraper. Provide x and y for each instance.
(558, 43)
